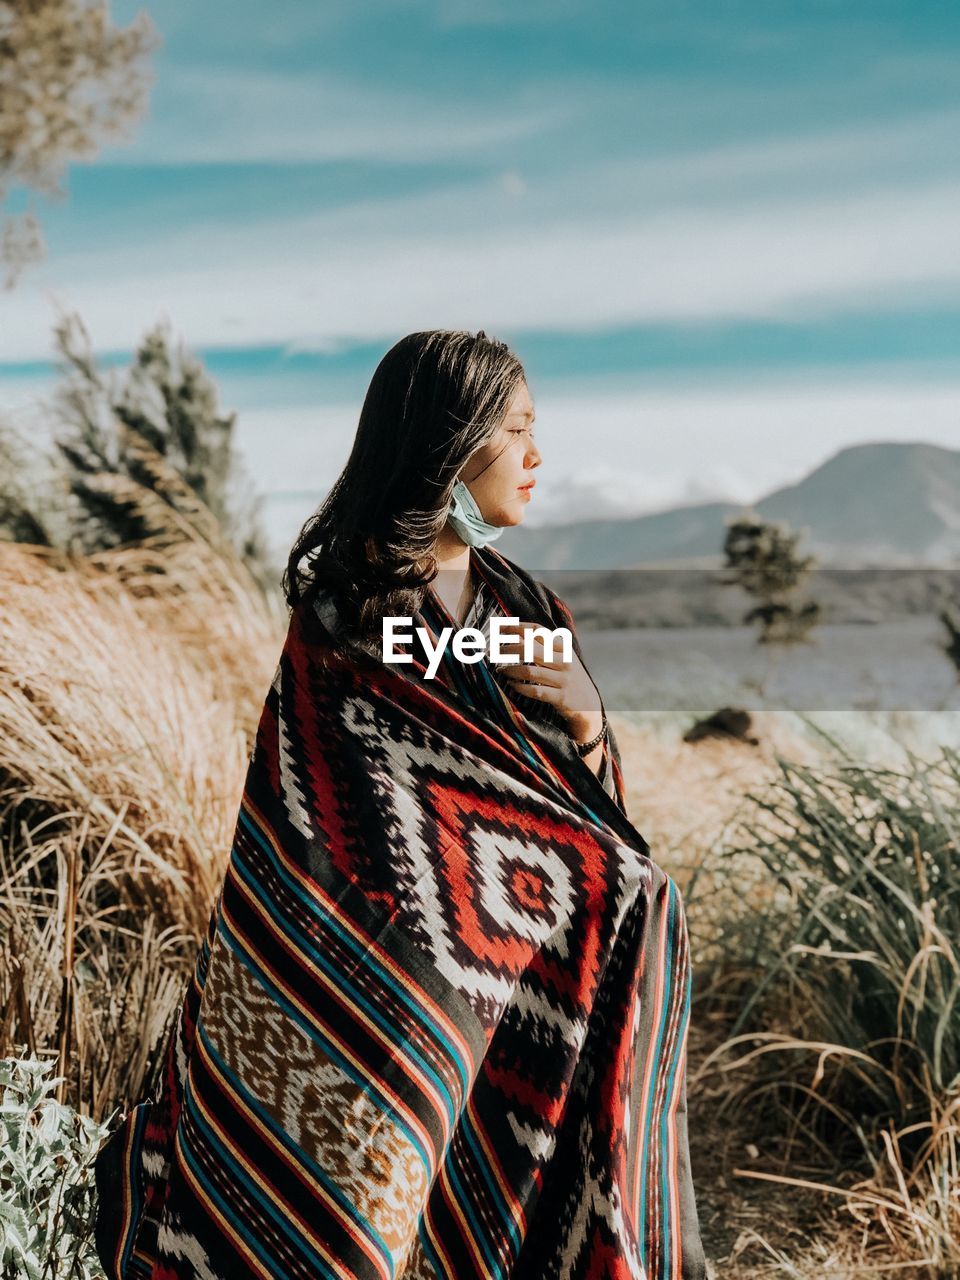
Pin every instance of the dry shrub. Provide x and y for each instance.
(130, 684)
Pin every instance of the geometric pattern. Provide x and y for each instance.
(437, 1025)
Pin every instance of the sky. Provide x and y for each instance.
(723, 238)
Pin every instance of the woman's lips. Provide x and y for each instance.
(525, 488)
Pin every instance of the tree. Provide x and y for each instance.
(142, 454)
(69, 81)
(763, 559)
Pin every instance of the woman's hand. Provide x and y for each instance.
(565, 685)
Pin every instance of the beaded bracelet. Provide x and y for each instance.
(584, 748)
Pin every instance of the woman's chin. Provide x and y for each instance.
(513, 512)
(509, 518)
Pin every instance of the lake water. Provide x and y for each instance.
(896, 665)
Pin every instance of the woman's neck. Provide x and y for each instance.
(451, 552)
(453, 583)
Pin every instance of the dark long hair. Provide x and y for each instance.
(435, 398)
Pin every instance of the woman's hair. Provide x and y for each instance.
(435, 398)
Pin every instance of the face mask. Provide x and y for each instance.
(464, 515)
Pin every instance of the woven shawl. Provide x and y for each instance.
(437, 1026)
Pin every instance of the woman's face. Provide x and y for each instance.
(500, 474)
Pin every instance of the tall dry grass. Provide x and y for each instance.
(130, 683)
(837, 984)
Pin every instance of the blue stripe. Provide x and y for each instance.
(342, 983)
(467, 1210)
(511, 724)
(429, 1250)
(135, 1182)
(470, 1137)
(270, 1263)
(667, 997)
(352, 945)
(297, 1151)
(667, 1237)
(368, 1084)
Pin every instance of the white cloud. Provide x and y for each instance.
(219, 115)
(814, 162)
(363, 272)
(765, 229)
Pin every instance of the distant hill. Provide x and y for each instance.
(872, 504)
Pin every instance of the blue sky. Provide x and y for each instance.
(723, 237)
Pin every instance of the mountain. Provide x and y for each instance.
(888, 504)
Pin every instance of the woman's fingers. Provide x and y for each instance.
(534, 672)
(543, 692)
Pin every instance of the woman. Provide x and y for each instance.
(437, 1026)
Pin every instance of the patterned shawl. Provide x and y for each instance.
(437, 1026)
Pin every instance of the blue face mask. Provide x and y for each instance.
(469, 524)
